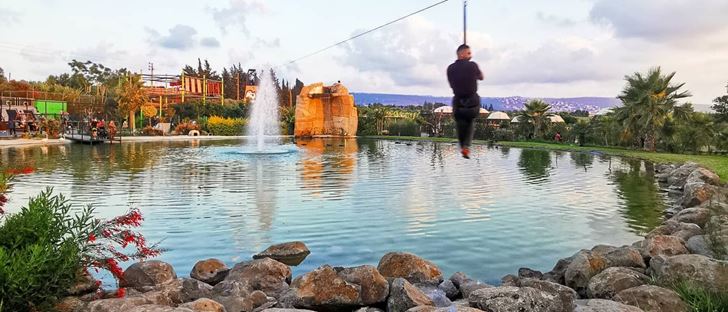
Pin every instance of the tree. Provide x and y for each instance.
(131, 96)
(536, 112)
(720, 105)
(648, 101)
(202, 70)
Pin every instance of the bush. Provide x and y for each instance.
(700, 299)
(151, 131)
(185, 128)
(226, 126)
(40, 253)
(52, 127)
(404, 127)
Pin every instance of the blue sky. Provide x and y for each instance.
(528, 47)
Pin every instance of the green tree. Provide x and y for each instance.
(647, 101)
(536, 112)
(131, 96)
(720, 105)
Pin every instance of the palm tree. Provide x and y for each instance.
(537, 113)
(131, 96)
(648, 101)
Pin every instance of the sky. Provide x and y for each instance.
(533, 48)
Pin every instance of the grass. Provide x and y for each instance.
(716, 163)
(700, 300)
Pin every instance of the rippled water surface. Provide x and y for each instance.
(351, 201)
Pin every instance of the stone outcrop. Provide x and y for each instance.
(322, 110)
(146, 274)
(291, 253)
(211, 271)
(652, 298)
(410, 267)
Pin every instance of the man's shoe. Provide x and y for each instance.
(466, 153)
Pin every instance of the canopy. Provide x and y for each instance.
(556, 119)
(516, 119)
(499, 116)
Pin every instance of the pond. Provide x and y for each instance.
(353, 200)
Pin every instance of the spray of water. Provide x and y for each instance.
(264, 116)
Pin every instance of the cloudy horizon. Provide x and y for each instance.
(531, 48)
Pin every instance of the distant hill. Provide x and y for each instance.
(591, 104)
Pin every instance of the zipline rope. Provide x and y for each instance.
(366, 32)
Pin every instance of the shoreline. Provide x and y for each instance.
(6, 143)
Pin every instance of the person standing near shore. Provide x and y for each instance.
(463, 76)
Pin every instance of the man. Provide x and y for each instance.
(463, 76)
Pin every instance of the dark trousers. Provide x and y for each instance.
(465, 110)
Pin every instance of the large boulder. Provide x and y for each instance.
(322, 110)
(609, 282)
(565, 296)
(204, 305)
(291, 253)
(467, 285)
(603, 305)
(267, 275)
(696, 193)
(664, 245)
(625, 256)
(584, 265)
(703, 175)
(529, 273)
(193, 289)
(158, 308)
(557, 274)
(341, 288)
(709, 273)
(451, 291)
(455, 308)
(235, 297)
(699, 245)
(404, 296)
(679, 176)
(410, 267)
(437, 296)
(170, 293)
(652, 298)
(698, 216)
(374, 288)
(211, 271)
(147, 274)
(675, 228)
(509, 298)
(116, 304)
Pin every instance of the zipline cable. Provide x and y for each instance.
(366, 32)
(465, 21)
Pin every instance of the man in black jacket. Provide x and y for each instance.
(463, 76)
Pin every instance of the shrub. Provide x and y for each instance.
(404, 127)
(185, 128)
(699, 299)
(151, 131)
(52, 127)
(39, 253)
(226, 126)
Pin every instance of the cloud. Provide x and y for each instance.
(555, 20)
(180, 37)
(262, 43)
(9, 17)
(555, 62)
(38, 53)
(659, 20)
(236, 14)
(102, 52)
(209, 42)
(411, 53)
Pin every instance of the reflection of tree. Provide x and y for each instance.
(582, 160)
(535, 164)
(643, 205)
(505, 150)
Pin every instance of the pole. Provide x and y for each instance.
(183, 86)
(222, 91)
(204, 89)
(237, 86)
(465, 21)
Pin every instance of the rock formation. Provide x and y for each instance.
(322, 110)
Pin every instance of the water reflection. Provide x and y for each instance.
(352, 201)
(643, 205)
(535, 164)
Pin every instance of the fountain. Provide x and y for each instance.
(264, 116)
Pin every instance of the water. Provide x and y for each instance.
(352, 201)
(264, 115)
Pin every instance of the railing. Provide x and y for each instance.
(85, 132)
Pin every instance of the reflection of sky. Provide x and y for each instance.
(350, 201)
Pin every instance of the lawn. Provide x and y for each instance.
(718, 164)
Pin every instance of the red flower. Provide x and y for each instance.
(27, 170)
(120, 293)
(92, 237)
(115, 269)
